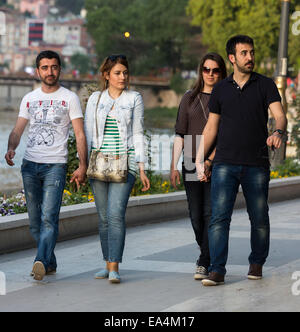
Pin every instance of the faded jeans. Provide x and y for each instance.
(111, 201)
(44, 185)
(225, 182)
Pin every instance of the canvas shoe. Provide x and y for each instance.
(201, 273)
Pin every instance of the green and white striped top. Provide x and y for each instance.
(112, 144)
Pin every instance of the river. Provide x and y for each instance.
(10, 177)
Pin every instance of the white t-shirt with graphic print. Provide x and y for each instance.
(49, 115)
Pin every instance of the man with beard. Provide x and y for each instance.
(238, 122)
(45, 161)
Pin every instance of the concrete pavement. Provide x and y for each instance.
(157, 272)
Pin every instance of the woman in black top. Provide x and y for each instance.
(191, 119)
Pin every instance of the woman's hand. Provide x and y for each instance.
(145, 181)
(174, 178)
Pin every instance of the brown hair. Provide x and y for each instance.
(107, 66)
(198, 87)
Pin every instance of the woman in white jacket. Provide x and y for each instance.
(120, 118)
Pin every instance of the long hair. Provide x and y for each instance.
(107, 66)
(198, 87)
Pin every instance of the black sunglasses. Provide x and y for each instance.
(114, 57)
(207, 70)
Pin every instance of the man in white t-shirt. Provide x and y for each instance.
(49, 110)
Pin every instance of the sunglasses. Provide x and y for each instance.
(114, 57)
(208, 70)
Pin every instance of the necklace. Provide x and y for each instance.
(203, 109)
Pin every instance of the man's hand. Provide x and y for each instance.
(274, 141)
(174, 178)
(79, 176)
(9, 156)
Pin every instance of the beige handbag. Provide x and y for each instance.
(107, 167)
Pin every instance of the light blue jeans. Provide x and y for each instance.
(111, 201)
(44, 185)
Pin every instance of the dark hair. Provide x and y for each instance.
(198, 87)
(239, 39)
(48, 55)
(107, 66)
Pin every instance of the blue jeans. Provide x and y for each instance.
(111, 202)
(44, 185)
(225, 182)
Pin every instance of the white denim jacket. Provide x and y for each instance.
(129, 109)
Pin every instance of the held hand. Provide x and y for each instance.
(274, 140)
(79, 177)
(145, 181)
(9, 156)
(174, 178)
(200, 168)
(207, 170)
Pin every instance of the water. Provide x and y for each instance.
(10, 177)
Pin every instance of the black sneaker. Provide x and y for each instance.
(214, 279)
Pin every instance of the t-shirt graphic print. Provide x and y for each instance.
(50, 116)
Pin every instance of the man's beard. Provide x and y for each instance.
(52, 82)
(244, 69)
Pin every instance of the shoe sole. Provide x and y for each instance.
(250, 277)
(100, 277)
(207, 282)
(200, 276)
(38, 271)
(115, 281)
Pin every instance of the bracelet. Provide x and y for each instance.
(208, 160)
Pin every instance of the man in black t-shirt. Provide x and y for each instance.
(238, 122)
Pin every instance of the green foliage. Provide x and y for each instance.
(295, 135)
(289, 167)
(81, 62)
(294, 45)
(178, 84)
(159, 31)
(160, 117)
(221, 19)
(73, 6)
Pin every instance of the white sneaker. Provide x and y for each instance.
(201, 273)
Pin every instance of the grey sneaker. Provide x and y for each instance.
(201, 273)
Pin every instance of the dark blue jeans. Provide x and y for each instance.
(44, 185)
(225, 182)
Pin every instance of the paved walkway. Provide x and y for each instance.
(157, 272)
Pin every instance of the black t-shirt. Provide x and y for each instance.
(243, 128)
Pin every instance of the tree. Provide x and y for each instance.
(81, 62)
(73, 6)
(221, 19)
(159, 31)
